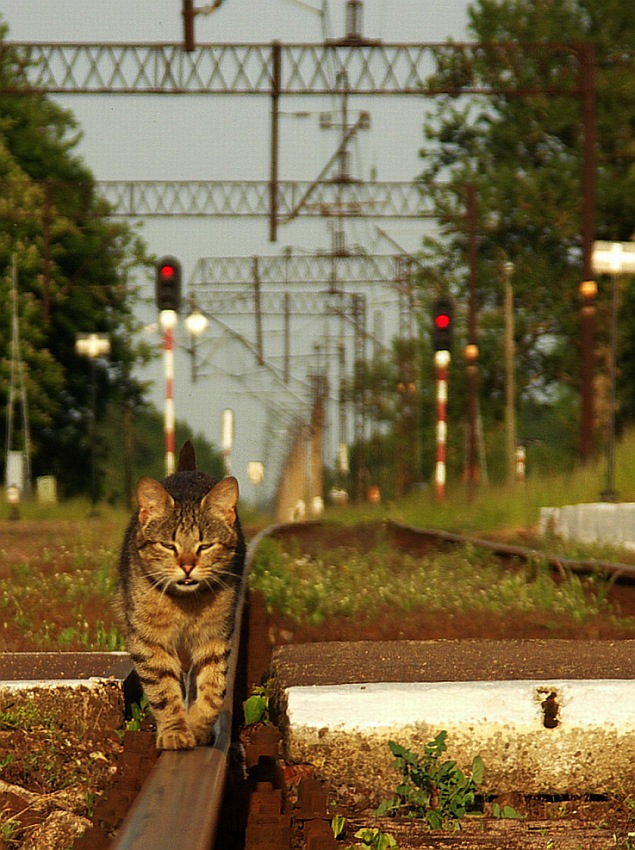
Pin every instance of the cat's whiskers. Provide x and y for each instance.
(224, 579)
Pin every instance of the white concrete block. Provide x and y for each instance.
(588, 747)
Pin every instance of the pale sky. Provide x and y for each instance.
(200, 137)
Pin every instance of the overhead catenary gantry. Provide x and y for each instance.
(370, 68)
(250, 198)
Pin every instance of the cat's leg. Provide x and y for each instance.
(160, 673)
(209, 673)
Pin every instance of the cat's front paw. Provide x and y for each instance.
(201, 723)
(204, 736)
(176, 739)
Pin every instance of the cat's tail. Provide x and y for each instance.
(187, 458)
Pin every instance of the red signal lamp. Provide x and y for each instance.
(442, 324)
(168, 284)
(167, 271)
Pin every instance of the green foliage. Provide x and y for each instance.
(73, 267)
(338, 825)
(524, 157)
(344, 582)
(76, 567)
(505, 811)
(23, 716)
(8, 829)
(375, 839)
(436, 791)
(139, 712)
(256, 707)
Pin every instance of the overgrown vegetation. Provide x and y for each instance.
(346, 583)
(56, 585)
(512, 507)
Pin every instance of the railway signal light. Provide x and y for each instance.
(442, 324)
(168, 284)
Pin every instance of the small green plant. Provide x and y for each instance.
(375, 839)
(338, 825)
(256, 707)
(139, 711)
(89, 802)
(434, 790)
(24, 715)
(108, 639)
(8, 830)
(510, 812)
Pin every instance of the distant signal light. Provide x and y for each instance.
(168, 284)
(442, 324)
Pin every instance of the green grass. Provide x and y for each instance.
(64, 510)
(347, 584)
(492, 507)
(344, 583)
(57, 583)
(75, 563)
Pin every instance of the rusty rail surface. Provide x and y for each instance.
(180, 802)
(616, 570)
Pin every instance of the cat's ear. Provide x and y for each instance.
(187, 458)
(222, 499)
(154, 500)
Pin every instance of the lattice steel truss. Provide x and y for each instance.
(372, 68)
(325, 270)
(242, 198)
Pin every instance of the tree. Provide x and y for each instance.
(145, 430)
(73, 267)
(524, 156)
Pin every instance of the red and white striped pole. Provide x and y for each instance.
(442, 362)
(168, 319)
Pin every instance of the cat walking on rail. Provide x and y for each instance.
(181, 560)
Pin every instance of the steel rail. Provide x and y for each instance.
(615, 570)
(179, 804)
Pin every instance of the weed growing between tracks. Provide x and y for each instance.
(346, 583)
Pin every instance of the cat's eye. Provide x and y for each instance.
(169, 546)
(202, 547)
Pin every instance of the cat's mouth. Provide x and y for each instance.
(187, 582)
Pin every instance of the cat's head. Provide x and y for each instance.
(187, 545)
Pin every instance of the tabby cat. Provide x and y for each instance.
(180, 562)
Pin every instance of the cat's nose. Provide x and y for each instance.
(187, 563)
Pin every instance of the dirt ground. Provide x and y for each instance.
(69, 774)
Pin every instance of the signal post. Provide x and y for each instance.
(442, 333)
(168, 297)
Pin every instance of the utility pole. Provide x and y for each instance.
(510, 383)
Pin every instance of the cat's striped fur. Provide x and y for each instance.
(181, 558)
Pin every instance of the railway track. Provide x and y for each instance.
(181, 802)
